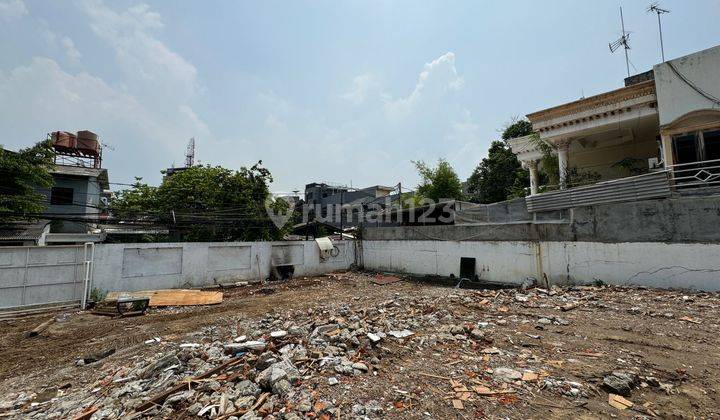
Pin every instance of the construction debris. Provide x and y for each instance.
(124, 306)
(171, 297)
(40, 328)
(341, 347)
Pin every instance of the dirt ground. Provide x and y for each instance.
(669, 339)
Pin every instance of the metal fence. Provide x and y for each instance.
(44, 275)
(641, 187)
(696, 175)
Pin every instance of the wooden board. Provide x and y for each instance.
(173, 297)
(383, 280)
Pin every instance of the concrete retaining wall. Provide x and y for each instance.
(673, 220)
(663, 265)
(188, 264)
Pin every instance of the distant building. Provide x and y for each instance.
(78, 197)
(77, 192)
(327, 197)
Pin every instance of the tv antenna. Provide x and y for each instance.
(655, 8)
(190, 153)
(622, 42)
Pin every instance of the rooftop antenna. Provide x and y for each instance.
(190, 153)
(655, 8)
(622, 42)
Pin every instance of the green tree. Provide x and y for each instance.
(205, 203)
(500, 176)
(21, 174)
(138, 202)
(438, 183)
(548, 167)
(517, 128)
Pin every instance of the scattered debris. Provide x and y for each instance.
(92, 358)
(40, 328)
(385, 279)
(619, 402)
(326, 347)
(620, 382)
(401, 334)
(171, 297)
(123, 306)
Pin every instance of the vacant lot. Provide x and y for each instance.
(343, 346)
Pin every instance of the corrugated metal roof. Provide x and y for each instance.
(22, 231)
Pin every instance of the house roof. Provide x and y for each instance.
(80, 171)
(22, 231)
(615, 96)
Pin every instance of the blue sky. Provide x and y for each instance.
(337, 91)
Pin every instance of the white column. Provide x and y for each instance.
(562, 151)
(533, 167)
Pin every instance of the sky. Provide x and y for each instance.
(345, 91)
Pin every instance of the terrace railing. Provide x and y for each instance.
(640, 187)
(693, 176)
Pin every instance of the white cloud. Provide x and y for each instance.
(465, 144)
(11, 10)
(71, 52)
(437, 78)
(361, 88)
(145, 61)
(67, 44)
(145, 112)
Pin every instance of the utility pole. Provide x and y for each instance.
(342, 195)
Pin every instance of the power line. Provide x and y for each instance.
(692, 85)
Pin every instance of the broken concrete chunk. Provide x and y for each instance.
(374, 337)
(360, 366)
(322, 329)
(160, 364)
(278, 334)
(401, 334)
(620, 382)
(247, 388)
(507, 374)
(254, 346)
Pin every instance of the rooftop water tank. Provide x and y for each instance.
(63, 140)
(87, 143)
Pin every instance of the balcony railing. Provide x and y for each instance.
(696, 175)
(640, 187)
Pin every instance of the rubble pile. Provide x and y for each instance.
(478, 351)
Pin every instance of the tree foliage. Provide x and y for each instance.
(21, 174)
(498, 176)
(205, 203)
(438, 183)
(517, 128)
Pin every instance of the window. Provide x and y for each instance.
(686, 148)
(697, 146)
(61, 196)
(711, 140)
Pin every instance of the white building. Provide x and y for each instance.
(658, 134)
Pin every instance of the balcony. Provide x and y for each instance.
(694, 178)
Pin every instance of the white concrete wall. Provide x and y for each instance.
(652, 264)
(675, 97)
(174, 265)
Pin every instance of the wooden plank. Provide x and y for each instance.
(172, 297)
